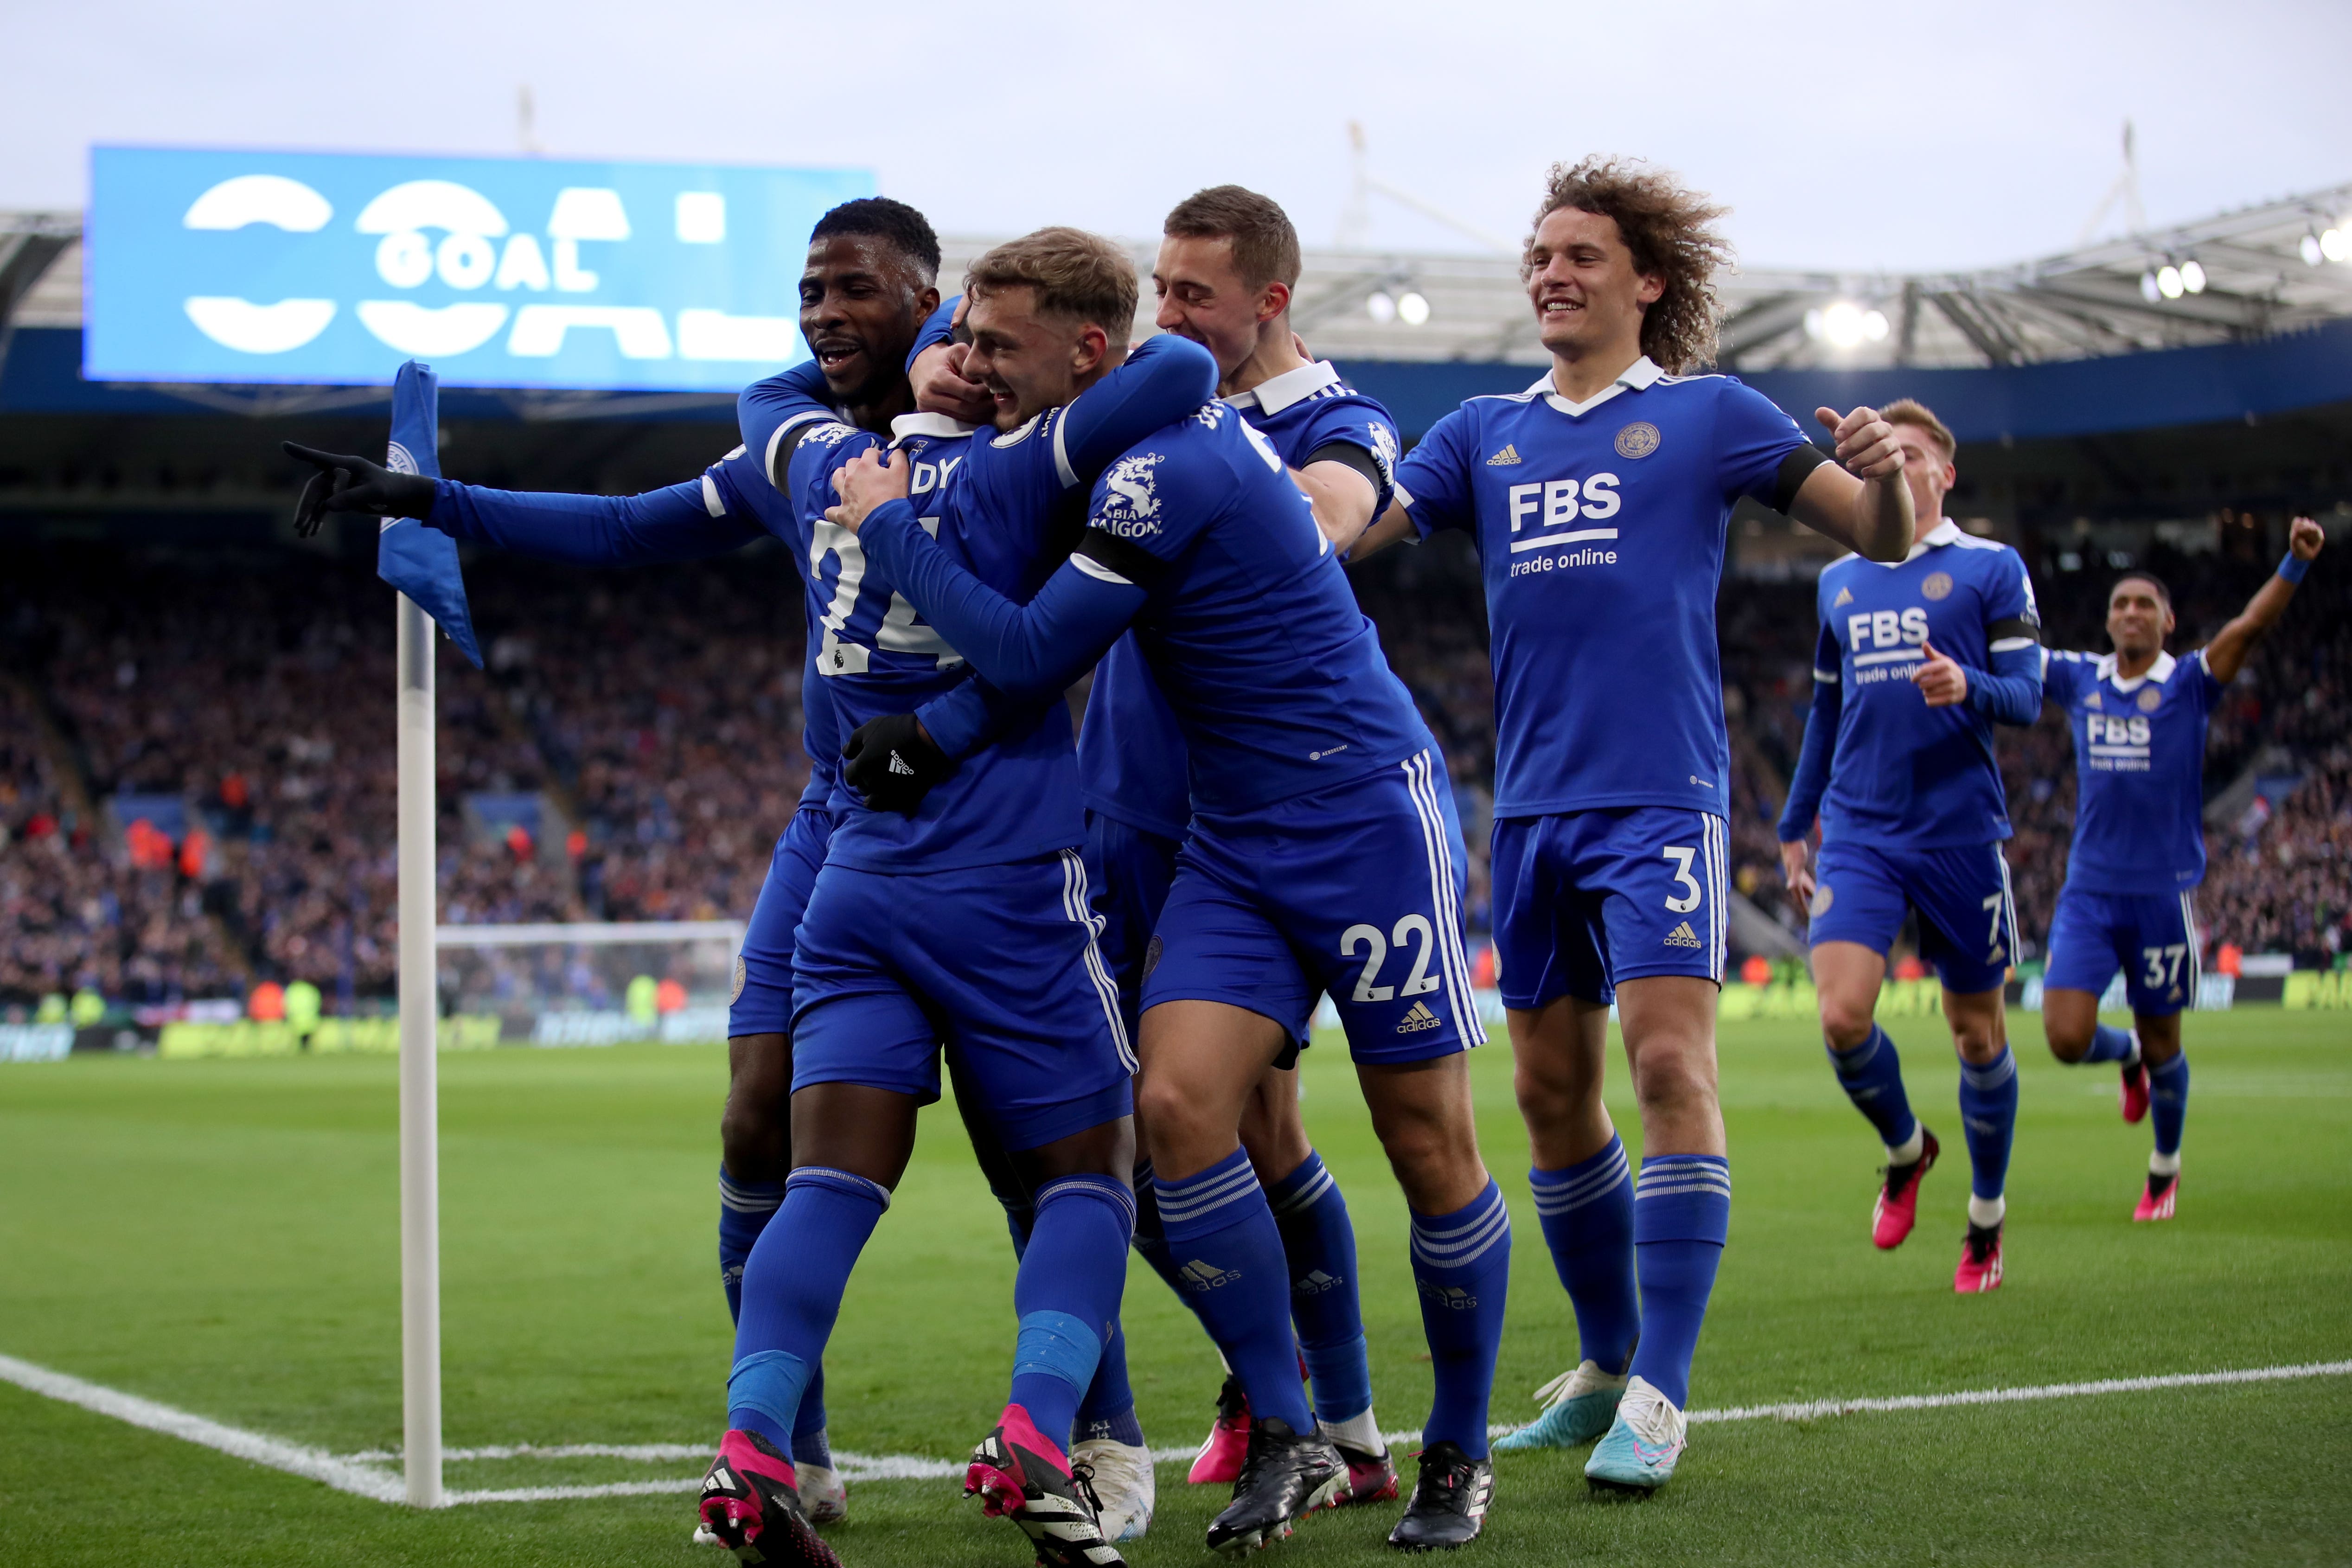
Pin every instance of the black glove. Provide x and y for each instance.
(892, 764)
(354, 484)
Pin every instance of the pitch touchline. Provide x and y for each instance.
(358, 1475)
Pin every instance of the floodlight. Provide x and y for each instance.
(2309, 245)
(2169, 284)
(1813, 324)
(1874, 325)
(1411, 310)
(2336, 245)
(2192, 276)
(2148, 287)
(1842, 324)
(1380, 308)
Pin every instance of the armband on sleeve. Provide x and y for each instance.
(1109, 558)
(1348, 455)
(2007, 635)
(1795, 469)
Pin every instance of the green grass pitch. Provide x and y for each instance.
(223, 1236)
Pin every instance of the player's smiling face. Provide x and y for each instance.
(1582, 280)
(1204, 296)
(2138, 620)
(862, 305)
(1029, 361)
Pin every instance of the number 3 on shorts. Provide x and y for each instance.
(1682, 904)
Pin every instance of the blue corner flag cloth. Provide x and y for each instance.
(422, 562)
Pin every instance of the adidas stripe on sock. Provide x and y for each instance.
(1227, 1258)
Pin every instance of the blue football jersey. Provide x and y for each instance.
(989, 502)
(1601, 527)
(1277, 679)
(1906, 775)
(2139, 770)
(1132, 752)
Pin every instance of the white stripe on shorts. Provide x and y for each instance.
(1444, 908)
(1076, 906)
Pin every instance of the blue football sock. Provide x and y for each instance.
(1067, 1292)
(1108, 1408)
(1682, 1215)
(744, 1208)
(1227, 1252)
(1587, 1215)
(1462, 1264)
(2168, 1100)
(1151, 1237)
(1319, 1243)
(792, 1293)
(810, 1445)
(2109, 1044)
(1872, 1075)
(1988, 1113)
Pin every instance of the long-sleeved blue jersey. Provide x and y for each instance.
(1879, 766)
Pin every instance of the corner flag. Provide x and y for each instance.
(422, 562)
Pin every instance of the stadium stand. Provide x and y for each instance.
(166, 840)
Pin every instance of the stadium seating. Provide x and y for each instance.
(656, 715)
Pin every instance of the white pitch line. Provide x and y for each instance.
(1811, 1409)
(351, 1472)
(294, 1459)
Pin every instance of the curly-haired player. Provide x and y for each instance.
(1599, 498)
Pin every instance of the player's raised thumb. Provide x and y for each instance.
(1828, 416)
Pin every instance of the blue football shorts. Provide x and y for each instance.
(2151, 936)
(1131, 868)
(762, 1003)
(1968, 919)
(997, 964)
(1585, 901)
(1356, 889)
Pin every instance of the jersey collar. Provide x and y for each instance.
(1640, 376)
(1278, 393)
(2160, 672)
(1944, 533)
(906, 425)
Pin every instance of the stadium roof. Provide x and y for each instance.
(2246, 277)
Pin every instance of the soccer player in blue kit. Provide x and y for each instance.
(1002, 964)
(866, 289)
(1598, 500)
(1915, 662)
(2139, 716)
(1321, 852)
(1228, 261)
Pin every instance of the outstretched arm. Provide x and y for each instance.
(682, 522)
(1031, 652)
(2226, 654)
(1864, 505)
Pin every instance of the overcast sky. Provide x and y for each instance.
(1843, 137)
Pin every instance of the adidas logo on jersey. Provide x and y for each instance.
(1418, 1019)
(1504, 458)
(2092, 700)
(1682, 936)
(1202, 1275)
(1315, 1284)
(899, 765)
(1845, 596)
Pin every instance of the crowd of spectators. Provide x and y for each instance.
(652, 720)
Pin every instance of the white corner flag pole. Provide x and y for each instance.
(420, 1194)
